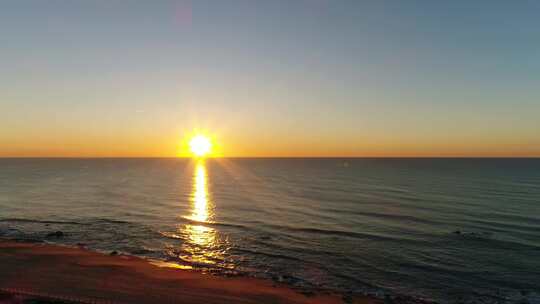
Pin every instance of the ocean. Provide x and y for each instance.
(446, 230)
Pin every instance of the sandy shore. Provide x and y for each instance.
(48, 272)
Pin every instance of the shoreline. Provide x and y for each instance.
(45, 272)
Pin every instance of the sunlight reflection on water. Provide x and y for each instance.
(201, 243)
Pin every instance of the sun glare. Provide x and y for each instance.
(200, 145)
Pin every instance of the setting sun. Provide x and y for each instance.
(200, 145)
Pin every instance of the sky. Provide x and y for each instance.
(270, 78)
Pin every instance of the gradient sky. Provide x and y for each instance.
(270, 78)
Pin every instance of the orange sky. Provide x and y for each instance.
(266, 78)
(175, 146)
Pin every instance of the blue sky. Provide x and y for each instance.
(270, 78)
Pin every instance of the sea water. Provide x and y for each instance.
(448, 230)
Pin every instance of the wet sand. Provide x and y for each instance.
(48, 272)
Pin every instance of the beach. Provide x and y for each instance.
(58, 273)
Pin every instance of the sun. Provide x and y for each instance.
(200, 145)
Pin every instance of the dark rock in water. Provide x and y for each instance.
(404, 299)
(140, 251)
(57, 234)
(347, 298)
(457, 232)
(388, 300)
(113, 252)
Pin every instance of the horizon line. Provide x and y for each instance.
(272, 157)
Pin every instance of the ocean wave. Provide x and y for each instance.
(23, 220)
(267, 254)
(212, 224)
(105, 220)
(400, 217)
(350, 234)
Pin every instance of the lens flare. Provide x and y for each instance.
(200, 145)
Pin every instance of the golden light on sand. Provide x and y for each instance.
(200, 145)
